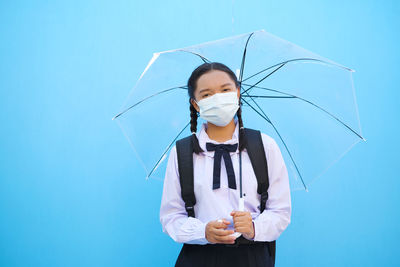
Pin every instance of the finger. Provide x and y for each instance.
(220, 226)
(226, 221)
(241, 224)
(242, 220)
(241, 213)
(220, 232)
(224, 224)
(243, 230)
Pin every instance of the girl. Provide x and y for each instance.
(208, 238)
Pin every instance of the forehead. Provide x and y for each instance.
(213, 79)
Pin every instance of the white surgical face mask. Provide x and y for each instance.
(220, 108)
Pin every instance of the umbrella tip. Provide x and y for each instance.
(238, 73)
(365, 140)
(116, 116)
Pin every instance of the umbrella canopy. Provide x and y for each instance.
(307, 103)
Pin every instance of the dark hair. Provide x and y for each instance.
(192, 84)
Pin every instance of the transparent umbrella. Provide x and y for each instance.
(307, 103)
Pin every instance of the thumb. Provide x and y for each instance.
(226, 221)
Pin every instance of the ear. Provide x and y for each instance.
(194, 105)
(238, 92)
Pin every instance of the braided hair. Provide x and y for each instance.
(192, 83)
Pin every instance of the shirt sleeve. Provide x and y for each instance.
(173, 216)
(269, 225)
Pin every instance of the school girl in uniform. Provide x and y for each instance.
(207, 238)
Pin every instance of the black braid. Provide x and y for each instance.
(193, 128)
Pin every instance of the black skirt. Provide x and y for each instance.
(219, 255)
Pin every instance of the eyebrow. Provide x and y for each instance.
(206, 89)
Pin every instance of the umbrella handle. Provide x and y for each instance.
(241, 204)
(241, 208)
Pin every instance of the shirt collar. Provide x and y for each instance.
(203, 138)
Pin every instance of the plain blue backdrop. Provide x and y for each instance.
(70, 193)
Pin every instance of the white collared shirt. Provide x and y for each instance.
(219, 203)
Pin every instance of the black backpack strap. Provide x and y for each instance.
(256, 152)
(255, 149)
(184, 149)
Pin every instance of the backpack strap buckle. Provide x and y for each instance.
(264, 198)
(189, 209)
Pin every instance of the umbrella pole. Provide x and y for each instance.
(240, 173)
(241, 199)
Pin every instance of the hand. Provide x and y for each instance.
(216, 233)
(243, 223)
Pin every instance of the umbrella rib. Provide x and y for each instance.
(307, 101)
(297, 59)
(146, 98)
(205, 60)
(244, 58)
(268, 96)
(166, 150)
(269, 74)
(265, 117)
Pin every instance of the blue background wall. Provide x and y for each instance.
(70, 193)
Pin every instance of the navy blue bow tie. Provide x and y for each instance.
(222, 150)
